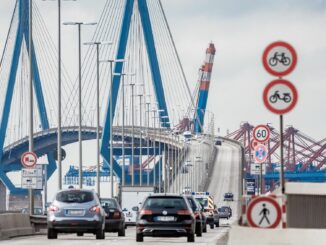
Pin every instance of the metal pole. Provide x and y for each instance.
(31, 145)
(123, 130)
(80, 110)
(45, 185)
(164, 167)
(98, 119)
(59, 99)
(140, 142)
(159, 162)
(282, 185)
(154, 144)
(111, 141)
(133, 138)
(148, 143)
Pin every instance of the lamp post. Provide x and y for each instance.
(140, 141)
(132, 85)
(97, 44)
(123, 126)
(111, 61)
(147, 141)
(59, 140)
(79, 24)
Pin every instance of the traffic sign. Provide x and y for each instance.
(260, 153)
(280, 96)
(29, 159)
(264, 212)
(255, 168)
(261, 133)
(279, 58)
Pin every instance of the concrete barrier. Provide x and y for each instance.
(290, 236)
(13, 224)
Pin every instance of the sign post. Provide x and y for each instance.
(280, 96)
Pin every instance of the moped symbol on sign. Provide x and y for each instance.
(280, 96)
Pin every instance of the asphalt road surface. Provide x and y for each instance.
(225, 178)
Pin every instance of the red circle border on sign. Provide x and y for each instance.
(286, 83)
(265, 150)
(267, 129)
(294, 58)
(266, 199)
(27, 153)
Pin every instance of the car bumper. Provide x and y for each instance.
(75, 225)
(114, 225)
(166, 230)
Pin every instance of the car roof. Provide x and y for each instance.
(165, 195)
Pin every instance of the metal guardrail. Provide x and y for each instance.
(38, 222)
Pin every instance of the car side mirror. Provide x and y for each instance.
(136, 209)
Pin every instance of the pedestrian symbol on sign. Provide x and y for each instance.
(264, 212)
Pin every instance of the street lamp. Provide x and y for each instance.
(79, 24)
(140, 141)
(97, 44)
(111, 61)
(132, 85)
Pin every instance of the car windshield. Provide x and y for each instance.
(165, 202)
(74, 196)
(202, 201)
(109, 203)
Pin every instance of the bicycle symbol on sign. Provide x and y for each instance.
(276, 96)
(279, 58)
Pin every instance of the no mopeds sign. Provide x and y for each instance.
(279, 58)
(280, 96)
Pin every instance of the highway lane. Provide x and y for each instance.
(225, 178)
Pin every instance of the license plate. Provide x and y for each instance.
(129, 215)
(165, 218)
(75, 212)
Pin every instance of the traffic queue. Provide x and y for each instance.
(159, 215)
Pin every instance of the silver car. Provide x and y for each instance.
(76, 211)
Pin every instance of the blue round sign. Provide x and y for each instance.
(260, 153)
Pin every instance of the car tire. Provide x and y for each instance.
(139, 237)
(100, 234)
(211, 226)
(191, 238)
(217, 224)
(122, 232)
(80, 233)
(205, 228)
(52, 234)
(199, 231)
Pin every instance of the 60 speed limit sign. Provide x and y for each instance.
(261, 133)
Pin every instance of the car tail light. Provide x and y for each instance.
(146, 212)
(53, 209)
(116, 215)
(95, 209)
(197, 215)
(184, 212)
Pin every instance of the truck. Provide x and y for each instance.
(131, 199)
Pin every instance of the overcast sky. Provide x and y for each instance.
(240, 30)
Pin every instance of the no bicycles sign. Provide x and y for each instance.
(279, 58)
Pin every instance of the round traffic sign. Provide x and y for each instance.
(279, 58)
(264, 212)
(28, 159)
(260, 153)
(280, 96)
(261, 133)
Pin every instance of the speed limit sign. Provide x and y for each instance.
(261, 133)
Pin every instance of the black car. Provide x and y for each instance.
(199, 215)
(163, 215)
(228, 196)
(115, 219)
(225, 212)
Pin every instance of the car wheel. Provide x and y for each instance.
(217, 224)
(139, 237)
(122, 232)
(191, 238)
(100, 234)
(211, 226)
(205, 228)
(199, 231)
(52, 234)
(80, 234)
